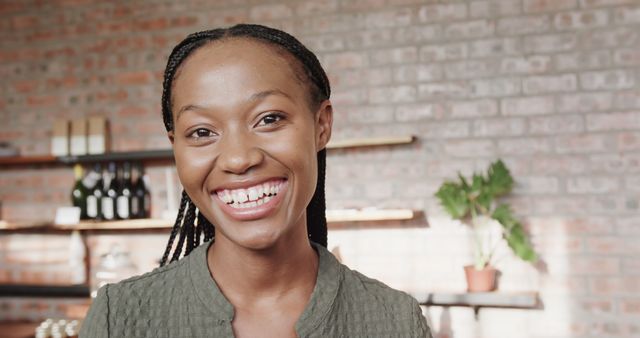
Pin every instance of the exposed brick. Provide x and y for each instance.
(346, 60)
(535, 105)
(539, 6)
(549, 84)
(604, 3)
(393, 94)
(627, 57)
(313, 7)
(469, 29)
(611, 37)
(595, 185)
(470, 148)
(134, 78)
(584, 102)
(470, 69)
(495, 47)
(442, 12)
(495, 87)
(390, 18)
(370, 114)
(401, 55)
(417, 112)
(525, 65)
(627, 15)
(525, 146)
(443, 90)
(550, 43)
(491, 9)
(581, 19)
(499, 127)
(417, 73)
(556, 124)
(615, 286)
(473, 108)
(583, 60)
(524, 25)
(453, 51)
(534, 185)
(583, 143)
(269, 12)
(613, 121)
(445, 130)
(614, 79)
(628, 141)
(627, 99)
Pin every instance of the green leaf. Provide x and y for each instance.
(499, 179)
(514, 233)
(503, 214)
(453, 199)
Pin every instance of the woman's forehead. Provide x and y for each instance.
(235, 69)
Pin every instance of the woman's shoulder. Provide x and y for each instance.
(381, 310)
(374, 292)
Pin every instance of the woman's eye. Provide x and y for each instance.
(201, 133)
(270, 119)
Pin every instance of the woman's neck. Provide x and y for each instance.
(248, 277)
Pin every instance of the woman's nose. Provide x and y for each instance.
(238, 155)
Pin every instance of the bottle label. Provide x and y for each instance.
(107, 208)
(135, 206)
(123, 207)
(92, 206)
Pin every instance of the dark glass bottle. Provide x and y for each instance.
(123, 200)
(79, 192)
(94, 199)
(141, 198)
(108, 204)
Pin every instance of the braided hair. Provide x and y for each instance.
(190, 223)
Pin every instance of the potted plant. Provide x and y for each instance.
(475, 202)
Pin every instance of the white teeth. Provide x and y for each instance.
(240, 195)
(253, 194)
(251, 197)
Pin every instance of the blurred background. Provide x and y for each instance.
(422, 90)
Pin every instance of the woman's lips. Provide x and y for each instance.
(256, 210)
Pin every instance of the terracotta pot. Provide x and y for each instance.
(480, 280)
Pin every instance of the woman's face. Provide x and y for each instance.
(245, 141)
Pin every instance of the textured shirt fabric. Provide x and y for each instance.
(181, 299)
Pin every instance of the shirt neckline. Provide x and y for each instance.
(324, 293)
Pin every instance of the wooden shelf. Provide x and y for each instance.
(482, 299)
(58, 291)
(166, 155)
(478, 300)
(333, 216)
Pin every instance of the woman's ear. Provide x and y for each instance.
(324, 121)
(170, 136)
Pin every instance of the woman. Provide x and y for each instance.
(248, 114)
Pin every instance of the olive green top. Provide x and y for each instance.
(182, 300)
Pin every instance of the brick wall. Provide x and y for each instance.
(551, 87)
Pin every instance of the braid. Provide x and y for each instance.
(176, 228)
(308, 68)
(316, 218)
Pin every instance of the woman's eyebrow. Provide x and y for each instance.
(255, 97)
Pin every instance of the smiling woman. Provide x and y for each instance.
(248, 114)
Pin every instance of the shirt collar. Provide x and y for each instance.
(324, 293)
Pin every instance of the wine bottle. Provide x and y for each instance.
(108, 200)
(141, 198)
(123, 200)
(79, 192)
(95, 194)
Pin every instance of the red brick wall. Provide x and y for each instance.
(551, 87)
